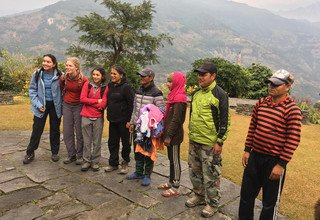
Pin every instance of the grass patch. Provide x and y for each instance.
(301, 189)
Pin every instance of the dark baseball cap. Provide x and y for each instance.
(146, 72)
(207, 67)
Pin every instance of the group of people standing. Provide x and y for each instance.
(273, 135)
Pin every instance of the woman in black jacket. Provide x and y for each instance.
(119, 109)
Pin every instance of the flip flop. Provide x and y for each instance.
(164, 186)
(170, 193)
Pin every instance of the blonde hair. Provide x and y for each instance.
(75, 61)
(170, 76)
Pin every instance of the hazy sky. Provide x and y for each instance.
(277, 5)
(14, 6)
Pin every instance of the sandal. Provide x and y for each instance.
(170, 193)
(164, 186)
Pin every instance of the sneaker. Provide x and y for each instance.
(110, 168)
(134, 176)
(79, 161)
(146, 181)
(95, 167)
(28, 158)
(70, 160)
(195, 201)
(85, 166)
(55, 157)
(124, 168)
(209, 211)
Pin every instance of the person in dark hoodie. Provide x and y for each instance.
(119, 109)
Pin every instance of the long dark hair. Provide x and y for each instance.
(119, 69)
(103, 73)
(54, 61)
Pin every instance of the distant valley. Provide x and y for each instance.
(202, 28)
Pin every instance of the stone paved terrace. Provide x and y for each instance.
(47, 190)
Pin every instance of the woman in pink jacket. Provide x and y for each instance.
(94, 99)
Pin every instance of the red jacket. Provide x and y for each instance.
(91, 107)
(71, 89)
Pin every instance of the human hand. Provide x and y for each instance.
(42, 109)
(217, 149)
(167, 141)
(131, 128)
(245, 159)
(99, 101)
(276, 172)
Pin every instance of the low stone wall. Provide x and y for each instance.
(6, 98)
(244, 109)
(305, 117)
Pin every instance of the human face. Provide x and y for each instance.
(170, 82)
(145, 80)
(96, 77)
(278, 91)
(205, 79)
(48, 65)
(71, 68)
(115, 76)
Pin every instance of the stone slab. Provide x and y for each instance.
(16, 184)
(63, 182)
(129, 189)
(40, 171)
(25, 212)
(109, 210)
(21, 197)
(9, 175)
(139, 213)
(67, 211)
(229, 191)
(90, 194)
(57, 199)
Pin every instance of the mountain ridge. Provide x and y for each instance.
(212, 28)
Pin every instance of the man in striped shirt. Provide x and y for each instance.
(273, 136)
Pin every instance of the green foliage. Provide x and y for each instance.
(231, 77)
(258, 75)
(121, 38)
(16, 70)
(313, 113)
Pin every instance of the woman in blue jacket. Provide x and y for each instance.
(46, 99)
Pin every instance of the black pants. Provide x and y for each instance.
(175, 165)
(256, 176)
(38, 126)
(118, 131)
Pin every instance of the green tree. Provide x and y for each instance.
(122, 38)
(231, 77)
(258, 74)
(16, 71)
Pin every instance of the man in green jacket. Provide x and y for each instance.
(209, 125)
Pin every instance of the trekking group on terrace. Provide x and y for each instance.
(144, 117)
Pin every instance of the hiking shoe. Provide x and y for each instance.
(134, 176)
(79, 161)
(70, 160)
(124, 168)
(95, 167)
(209, 211)
(195, 201)
(28, 158)
(85, 166)
(110, 168)
(146, 181)
(55, 157)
